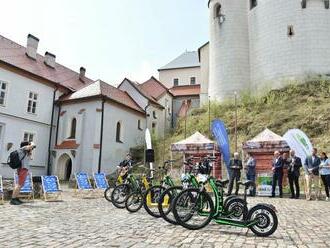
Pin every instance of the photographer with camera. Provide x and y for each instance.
(25, 156)
(124, 166)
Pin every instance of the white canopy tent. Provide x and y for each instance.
(196, 144)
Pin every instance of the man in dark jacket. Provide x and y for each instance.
(235, 173)
(294, 165)
(277, 167)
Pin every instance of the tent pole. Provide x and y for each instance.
(184, 167)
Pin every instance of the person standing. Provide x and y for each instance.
(235, 175)
(25, 156)
(325, 173)
(251, 172)
(277, 167)
(311, 168)
(294, 166)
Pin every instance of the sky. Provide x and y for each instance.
(111, 39)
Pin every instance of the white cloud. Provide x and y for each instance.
(143, 72)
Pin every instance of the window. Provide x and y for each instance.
(176, 81)
(139, 125)
(290, 31)
(303, 4)
(154, 114)
(30, 137)
(253, 3)
(118, 132)
(73, 129)
(3, 93)
(153, 127)
(217, 11)
(192, 80)
(32, 103)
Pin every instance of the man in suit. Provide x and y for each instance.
(251, 164)
(277, 167)
(294, 165)
(311, 168)
(235, 173)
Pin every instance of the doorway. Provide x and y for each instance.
(64, 167)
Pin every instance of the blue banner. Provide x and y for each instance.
(220, 133)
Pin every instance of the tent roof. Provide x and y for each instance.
(267, 135)
(195, 142)
(266, 141)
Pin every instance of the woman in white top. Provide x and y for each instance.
(324, 171)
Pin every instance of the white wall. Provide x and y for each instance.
(16, 120)
(205, 68)
(229, 46)
(88, 135)
(276, 57)
(167, 121)
(184, 75)
(114, 152)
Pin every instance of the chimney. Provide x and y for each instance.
(82, 74)
(50, 59)
(32, 46)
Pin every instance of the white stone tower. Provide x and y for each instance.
(229, 48)
(288, 40)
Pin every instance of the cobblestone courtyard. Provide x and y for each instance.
(96, 223)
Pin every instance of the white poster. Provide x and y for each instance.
(298, 141)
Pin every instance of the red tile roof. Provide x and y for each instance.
(99, 89)
(67, 144)
(136, 85)
(185, 106)
(154, 88)
(14, 54)
(186, 90)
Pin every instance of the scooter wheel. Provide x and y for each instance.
(266, 220)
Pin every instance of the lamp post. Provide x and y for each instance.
(165, 120)
(209, 116)
(235, 121)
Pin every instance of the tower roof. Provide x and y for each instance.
(185, 60)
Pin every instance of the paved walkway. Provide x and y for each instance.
(96, 223)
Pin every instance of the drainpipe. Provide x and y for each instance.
(51, 134)
(101, 137)
(58, 121)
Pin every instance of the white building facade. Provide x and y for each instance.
(78, 124)
(258, 45)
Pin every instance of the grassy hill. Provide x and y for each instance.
(305, 106)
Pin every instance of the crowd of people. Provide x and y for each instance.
(316, 169)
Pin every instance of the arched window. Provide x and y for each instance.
(253, 3)
(217, 11)
(139, 125)
(118, 132)
(73, 129)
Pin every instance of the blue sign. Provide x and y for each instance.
(220, 133)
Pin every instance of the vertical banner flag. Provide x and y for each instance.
(298, 141)
(220, 133)
(149, 146)
(148, 139)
